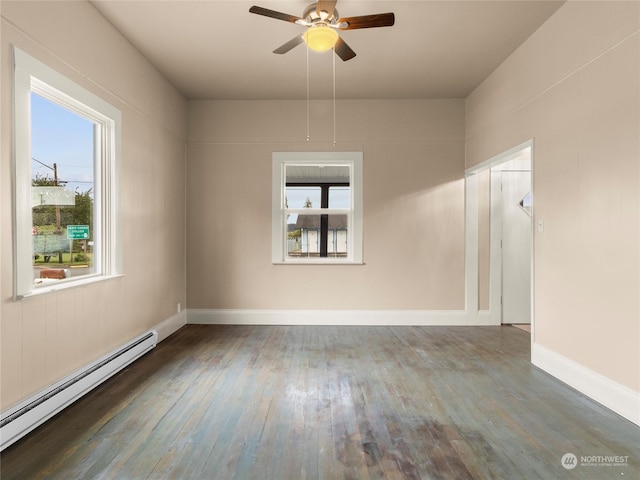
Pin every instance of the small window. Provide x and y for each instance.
(65, 163)
(317, 207)
(526, 204)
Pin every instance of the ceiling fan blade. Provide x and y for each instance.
(367, 21)
(273, 14)
(343, 50)
(326, 6)
(294, 42)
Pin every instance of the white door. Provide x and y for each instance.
(313, 241)
(331, 243)
(341, 241)
(516, 246)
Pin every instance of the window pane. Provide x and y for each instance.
(302, 197)
(303, 237)
(526, 204)
(339, 197)
(62, 190)
(337, 235)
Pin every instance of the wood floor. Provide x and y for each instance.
(283, 402)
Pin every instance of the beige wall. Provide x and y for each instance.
(46, 337)
(413, 204)
(573, 87)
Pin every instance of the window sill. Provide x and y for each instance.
(66, 284)
(318, 262)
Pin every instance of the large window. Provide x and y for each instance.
(66, 142)
(317, 207)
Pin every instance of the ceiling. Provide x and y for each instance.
(216, 49)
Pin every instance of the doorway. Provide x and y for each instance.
(499, 239)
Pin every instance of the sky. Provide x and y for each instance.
(339, 197)
(297, 196)
(62, 137)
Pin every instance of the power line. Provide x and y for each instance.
(41, 163)
(60, 181)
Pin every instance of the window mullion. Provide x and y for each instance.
(324, 220)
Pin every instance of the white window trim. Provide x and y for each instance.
(33, 75)
(355, 237)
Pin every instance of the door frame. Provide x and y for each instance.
(495, 254)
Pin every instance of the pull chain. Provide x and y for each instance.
(334, 95)
(308, 131)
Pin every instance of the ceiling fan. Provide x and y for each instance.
(322, 20)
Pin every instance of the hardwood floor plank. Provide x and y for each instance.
(336, 402)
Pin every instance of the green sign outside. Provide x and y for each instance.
(78, 232)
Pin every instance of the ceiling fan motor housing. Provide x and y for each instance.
(312, 16)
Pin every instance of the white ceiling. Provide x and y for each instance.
(216, 49)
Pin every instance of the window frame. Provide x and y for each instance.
(31, 75)
(280, 160)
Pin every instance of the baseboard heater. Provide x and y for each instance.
(29, 414)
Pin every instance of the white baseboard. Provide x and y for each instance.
(171, 325)
(335, 317)
(485, 317)
(616, 397)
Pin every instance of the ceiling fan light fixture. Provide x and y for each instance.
(320, 38)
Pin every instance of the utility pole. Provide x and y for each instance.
(55, 182)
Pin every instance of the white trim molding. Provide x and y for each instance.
(171, 325)
(335, 317)
(471, 225)
(614, 396)
(280, 161)
(34, 77)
